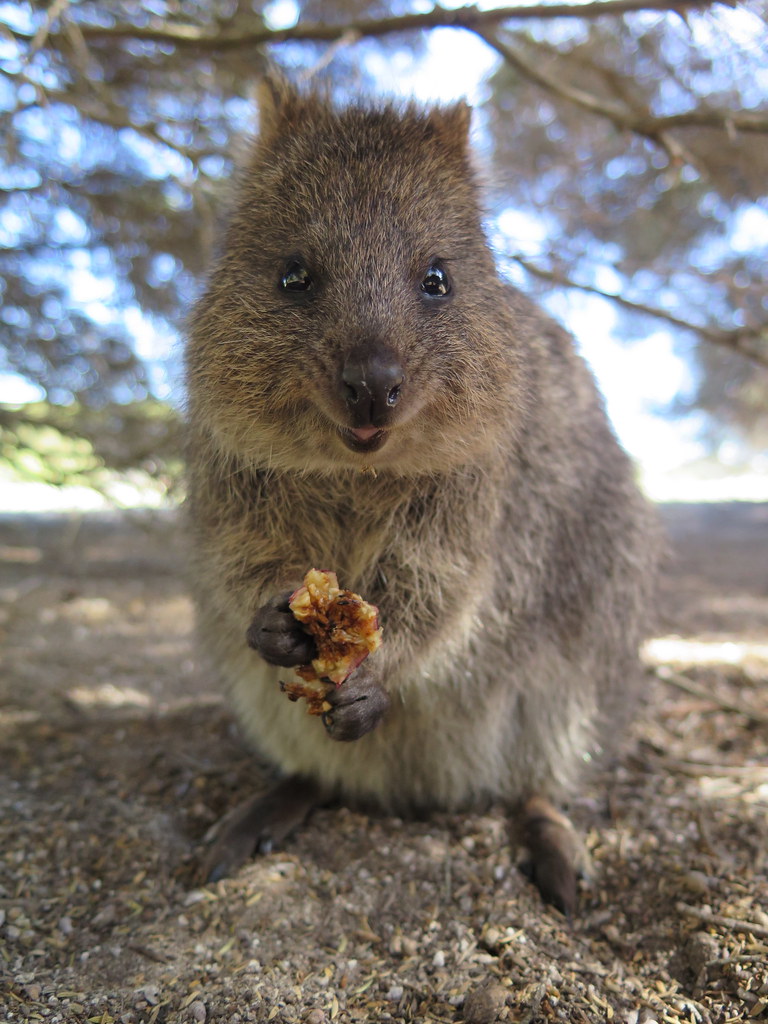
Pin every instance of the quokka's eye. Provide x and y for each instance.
(296, 278)
(436, 282)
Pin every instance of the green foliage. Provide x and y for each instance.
(74, 444)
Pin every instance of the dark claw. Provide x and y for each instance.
(223, 869)
(556, 854)
(278, 637)
(258, 826)
(357, 707)
(556, 881)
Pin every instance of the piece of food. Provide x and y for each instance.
(344, 626)
(314, 693)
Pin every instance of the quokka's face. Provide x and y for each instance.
(350, 322)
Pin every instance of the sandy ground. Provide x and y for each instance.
(116, 757)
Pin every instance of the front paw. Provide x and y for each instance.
(277, 635)
(357, 706)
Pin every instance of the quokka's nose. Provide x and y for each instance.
(371, 386)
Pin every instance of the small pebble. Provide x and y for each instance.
(438, 960)
(92, 609)
(151, 993)
(395, 994)
(198, 1011)
(646, 1016)
(696, 882)
(700, 948)
(105, 917)
(315, 1017)
(485, 1003)
(492, 938)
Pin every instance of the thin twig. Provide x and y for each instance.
(328, 56)
(102, 109)
(749, 342)
(41, 36)
(681, 682)
(742, 958)
(702, 769)
(731, 923)
(150, 954)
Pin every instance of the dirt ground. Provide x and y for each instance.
(116, 757)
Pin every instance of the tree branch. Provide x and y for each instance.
(617, 114)
(742, 120)
(587, 101)
(52, 15)
(752, 342)
(656, 129)
(469, 17)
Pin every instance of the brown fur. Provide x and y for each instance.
(502, 535)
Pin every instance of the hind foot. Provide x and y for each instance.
(556, 854)
(259, 825)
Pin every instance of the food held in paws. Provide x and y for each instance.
(344, 626)
(314, 693)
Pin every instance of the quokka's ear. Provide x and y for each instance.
(280, 105)
(451, 125)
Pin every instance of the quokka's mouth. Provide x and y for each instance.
(364, 439)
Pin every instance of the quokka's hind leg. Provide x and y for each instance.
(258, 825)
(556, 854)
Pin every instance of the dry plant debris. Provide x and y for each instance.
(116, 756)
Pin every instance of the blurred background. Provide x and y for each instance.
(625, 146)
